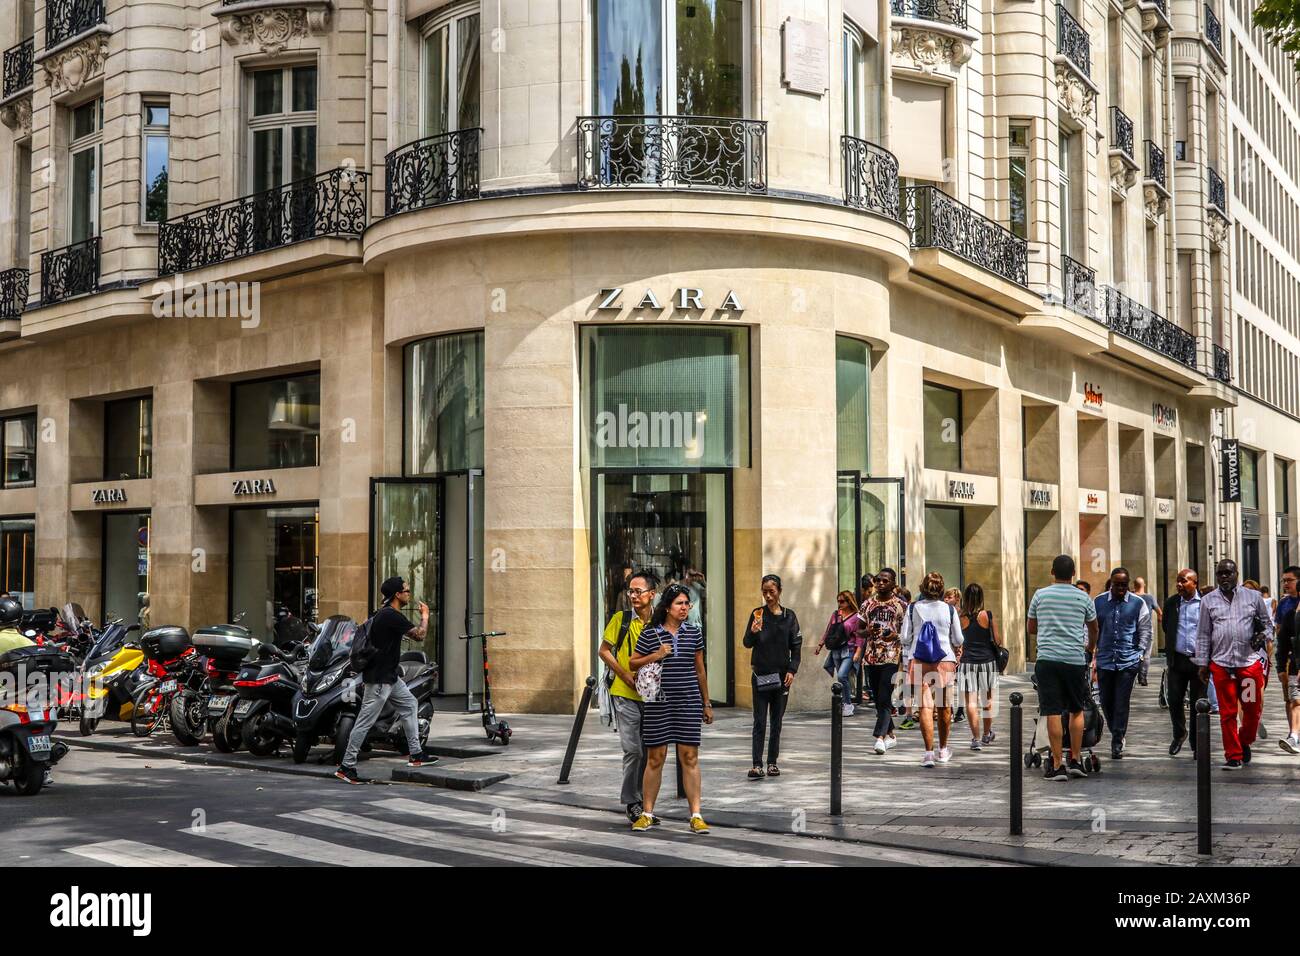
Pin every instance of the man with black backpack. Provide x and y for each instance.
(620, 637)
(381, 652)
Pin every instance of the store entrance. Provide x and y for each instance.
(126, 568)
(869, 514)
(273, 561)
(430, 532)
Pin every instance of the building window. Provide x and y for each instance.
(943, 543)
(126, 566)
(128, 439)
(273, 559)
(852, 404)
(276, 423)
(1282, 486)
(18, 554)
(281, 126)
(942, 427)
(444, 404)
(20, 451)
(855, 80)
(1249, 479)
(1181, 100)
(918, 132)
(155, 160)
(85, 155)
(1018, 179)
(23, 204)
(656, 57)
(450, 64)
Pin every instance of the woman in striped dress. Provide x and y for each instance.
(678, 645)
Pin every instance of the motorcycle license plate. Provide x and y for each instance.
(167, 687)
(39, 743)
(217, 705)
(243, 707)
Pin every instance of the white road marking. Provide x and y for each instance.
(301, 847)
(131, 853)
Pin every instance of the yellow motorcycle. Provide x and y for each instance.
(109, 675)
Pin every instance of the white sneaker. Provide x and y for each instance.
(891, 743)
(945, 754)
(929, 759)
(1290, 743)
(881, 746)
(975, 744)
(848, 710)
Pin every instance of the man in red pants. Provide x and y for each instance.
(1235, 625)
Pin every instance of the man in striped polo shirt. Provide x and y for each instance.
(1063, 620)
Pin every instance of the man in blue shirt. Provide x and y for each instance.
(1124, 631)
(1181, 618)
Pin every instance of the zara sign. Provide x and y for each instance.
(684, 299)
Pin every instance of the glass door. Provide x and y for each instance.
(126, 567)
(871, 527)
(406, 530)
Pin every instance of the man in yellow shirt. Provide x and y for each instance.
(620, 637)
(10, 614)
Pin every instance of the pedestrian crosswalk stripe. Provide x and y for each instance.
(301, 847)
(131, 853)
(695, 851)
(496, 848)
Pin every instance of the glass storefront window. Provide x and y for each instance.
(1282, 486)
(444, 404)
(666, 397)
(852, 404)
(943, 544)
(18, 552)
(19, 451)
(408, 544)
(1249, 479)
(942, 428)
(128, 439)
(273, 559)
(126, 567)
(276, 423)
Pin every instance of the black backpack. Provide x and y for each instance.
(363, 650)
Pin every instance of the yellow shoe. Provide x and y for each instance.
(643, 823)
(698, 825)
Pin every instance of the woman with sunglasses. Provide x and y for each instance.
(775, 638)
(845, 642)
(678, 646)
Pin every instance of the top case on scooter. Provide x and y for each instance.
(225, 645)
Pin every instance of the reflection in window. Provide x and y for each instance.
(157, 122)
(444, 404)
(1250, 479)
(18, 554)
(273, 561)
(126, 566)
(451, 71)
(942, 428)
(276, 423)
(128, 438)
(19, 451)
(852, 403)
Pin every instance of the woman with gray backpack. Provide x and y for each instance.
(931, 636)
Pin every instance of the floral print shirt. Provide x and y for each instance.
(883, 626)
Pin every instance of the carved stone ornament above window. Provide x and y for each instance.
(1156, 203)
(72, 67)
(1218, 229)
(17, 115)
(270, 25)
(1122, 175)
(926, 49)
(1078, 98)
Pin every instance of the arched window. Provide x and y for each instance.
(450, 70)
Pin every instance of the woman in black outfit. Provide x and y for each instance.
(774, 635)
(977, 675)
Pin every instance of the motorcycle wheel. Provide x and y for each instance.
(302, 744)
(341, 734)
(221, 737)
(183, 722)
(259, 741)
(145, 714)
(88, 725)
(29, 778)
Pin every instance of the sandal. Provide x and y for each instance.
(756, 773)
(773, 770)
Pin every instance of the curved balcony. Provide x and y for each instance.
(70, 271)
(951, 12)
(1216, 361)
(18, 68)
(1072, 41)
(432, 171)
(332, 204)
(65, 19)
(870, 177)
(937, 220)
(707, 153)
(1137, 322)
(1121, 134)
(1218, 195)
(14, 288)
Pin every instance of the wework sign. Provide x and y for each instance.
(1230, 467)
(253, 486)
(108, 496)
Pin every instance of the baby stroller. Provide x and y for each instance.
(1093, 727)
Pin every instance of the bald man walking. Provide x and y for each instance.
(1181, 618)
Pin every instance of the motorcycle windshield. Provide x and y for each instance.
(110, 641)
(333, 642)
(72, 617)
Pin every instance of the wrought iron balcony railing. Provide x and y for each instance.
(1161, 5)
(1121, 133)
(65, 19)
(1221, 367)
(672, 152)
(18, 70)
(70, 271)
(941, 11)
(1213, 29)
(1080, 286)
(1145, 327)
(1072, 40)
(938, 221)
(13, 292)
(870, 177)
(331, 204)
(432, 171)
(1218, 192)
(1156, 164)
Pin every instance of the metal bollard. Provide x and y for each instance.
(1203, 776)
(578, 719)
(1017, 765)
(837, 746)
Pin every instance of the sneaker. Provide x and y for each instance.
(1059, 774)
(976, 744)
(960, 716)
(634, 812)
(422, 759)
(1245, 754)
(1290, 743)
(847, 710)
(644, 822)
(928, 760)
(988, 738)
(348, 775)
(908, 723)
(881, 746)
(1075, 768)
(1262, 733)
(944, 755)
(698, 825)
(891, 743)
(1232, 765)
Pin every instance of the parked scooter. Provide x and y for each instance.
(193, 712)
(30, 688)
(326, 707)
(266, 687)
(108, 678)
(172, 664)
(495, 728)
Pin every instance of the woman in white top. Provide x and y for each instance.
(931, 664)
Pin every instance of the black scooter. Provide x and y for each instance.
(495, 728)
(263, 712)
(326, 707)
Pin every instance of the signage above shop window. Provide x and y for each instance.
(1195, 511)
(1164, 416)
(682, 299)
(1093, 397)
(253, 486)
(1092, 501)
(1040, 498)
(108, 496)
(1230, 467)
(1164, 508)
(961, 490)
(1132, 506)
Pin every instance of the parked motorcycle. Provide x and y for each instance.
(194, 712)
(326, 707)
(30, 691)
(108, 677)
(172, 665)
(266, 688)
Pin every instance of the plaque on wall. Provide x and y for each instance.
(804, 57)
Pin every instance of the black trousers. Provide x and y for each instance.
(1184, 676)
(880, 677)
(1115, 688)
(769, 705)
